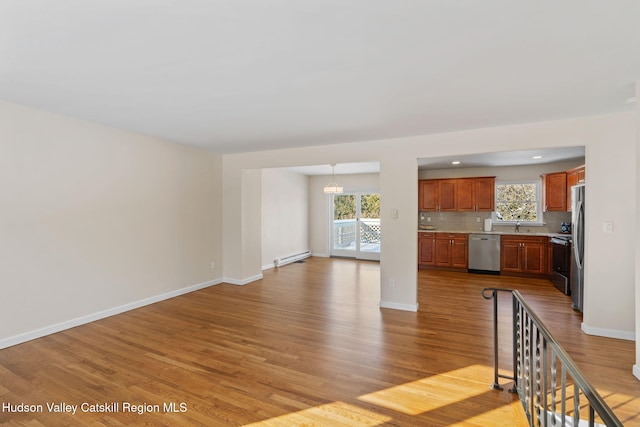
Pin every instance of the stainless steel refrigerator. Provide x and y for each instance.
(577, 243)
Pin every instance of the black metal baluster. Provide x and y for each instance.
(516, 340)
(545, 379)
(530, 363)
(564, 395)
(538, 385)
(496, 385)
(576, 404)
(554, 384)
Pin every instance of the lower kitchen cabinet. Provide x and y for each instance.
(443, 250)
(452, 250)
(426, 249)
(523, 254)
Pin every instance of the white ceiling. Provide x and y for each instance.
(249, 75)
(504, 158)
(493, 159)
(340, 169)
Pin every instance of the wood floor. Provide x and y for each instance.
(307, 345)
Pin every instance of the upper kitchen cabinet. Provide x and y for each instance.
(437, 195)
(476, 194)
(574, 176)
(555, 192)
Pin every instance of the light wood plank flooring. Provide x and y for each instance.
(307, 345)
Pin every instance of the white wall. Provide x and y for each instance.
(319, 212)
(610, 145)
(93, 218)
(609, 257)
(285, 214)
(636, 368)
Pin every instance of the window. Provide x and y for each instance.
(518, 201)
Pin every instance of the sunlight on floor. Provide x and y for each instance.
(331, 414)
(511, 415)
(430, 393)
(441, 392)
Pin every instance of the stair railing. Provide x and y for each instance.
(544, 376)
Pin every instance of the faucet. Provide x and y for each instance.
(518, 224)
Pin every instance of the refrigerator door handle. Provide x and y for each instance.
(579, 234)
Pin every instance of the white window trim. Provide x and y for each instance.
(539, 212)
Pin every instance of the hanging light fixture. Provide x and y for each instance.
(332, 187)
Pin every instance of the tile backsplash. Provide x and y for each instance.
(468, 221)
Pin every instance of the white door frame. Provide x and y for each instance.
(357, 253)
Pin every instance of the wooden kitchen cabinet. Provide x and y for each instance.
(452, 250)
(574, 176)
(555, 192)
(438, 195)
(443, 250)
(523, 254)
(476, 194)
(428, 195)
(426, 249)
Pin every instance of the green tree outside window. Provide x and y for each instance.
(517, 202)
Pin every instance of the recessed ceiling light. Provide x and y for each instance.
(536, 157)
(456, 162)
(631, 100)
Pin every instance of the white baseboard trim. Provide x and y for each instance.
(268, 266)
(608, 333)
(319, 255)
(397, 306)
(242, 282)
(52, 329)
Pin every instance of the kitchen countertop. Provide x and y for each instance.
(521, 233)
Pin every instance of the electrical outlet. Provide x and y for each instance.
(477, 219)
(392, 283)
(213, 265)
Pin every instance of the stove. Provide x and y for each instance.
(561, 263)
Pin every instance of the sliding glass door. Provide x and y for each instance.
(355, 226)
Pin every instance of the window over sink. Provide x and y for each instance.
(518, 201)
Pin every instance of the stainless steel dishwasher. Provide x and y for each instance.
(484, 253)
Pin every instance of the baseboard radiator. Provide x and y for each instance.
(279, 262)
